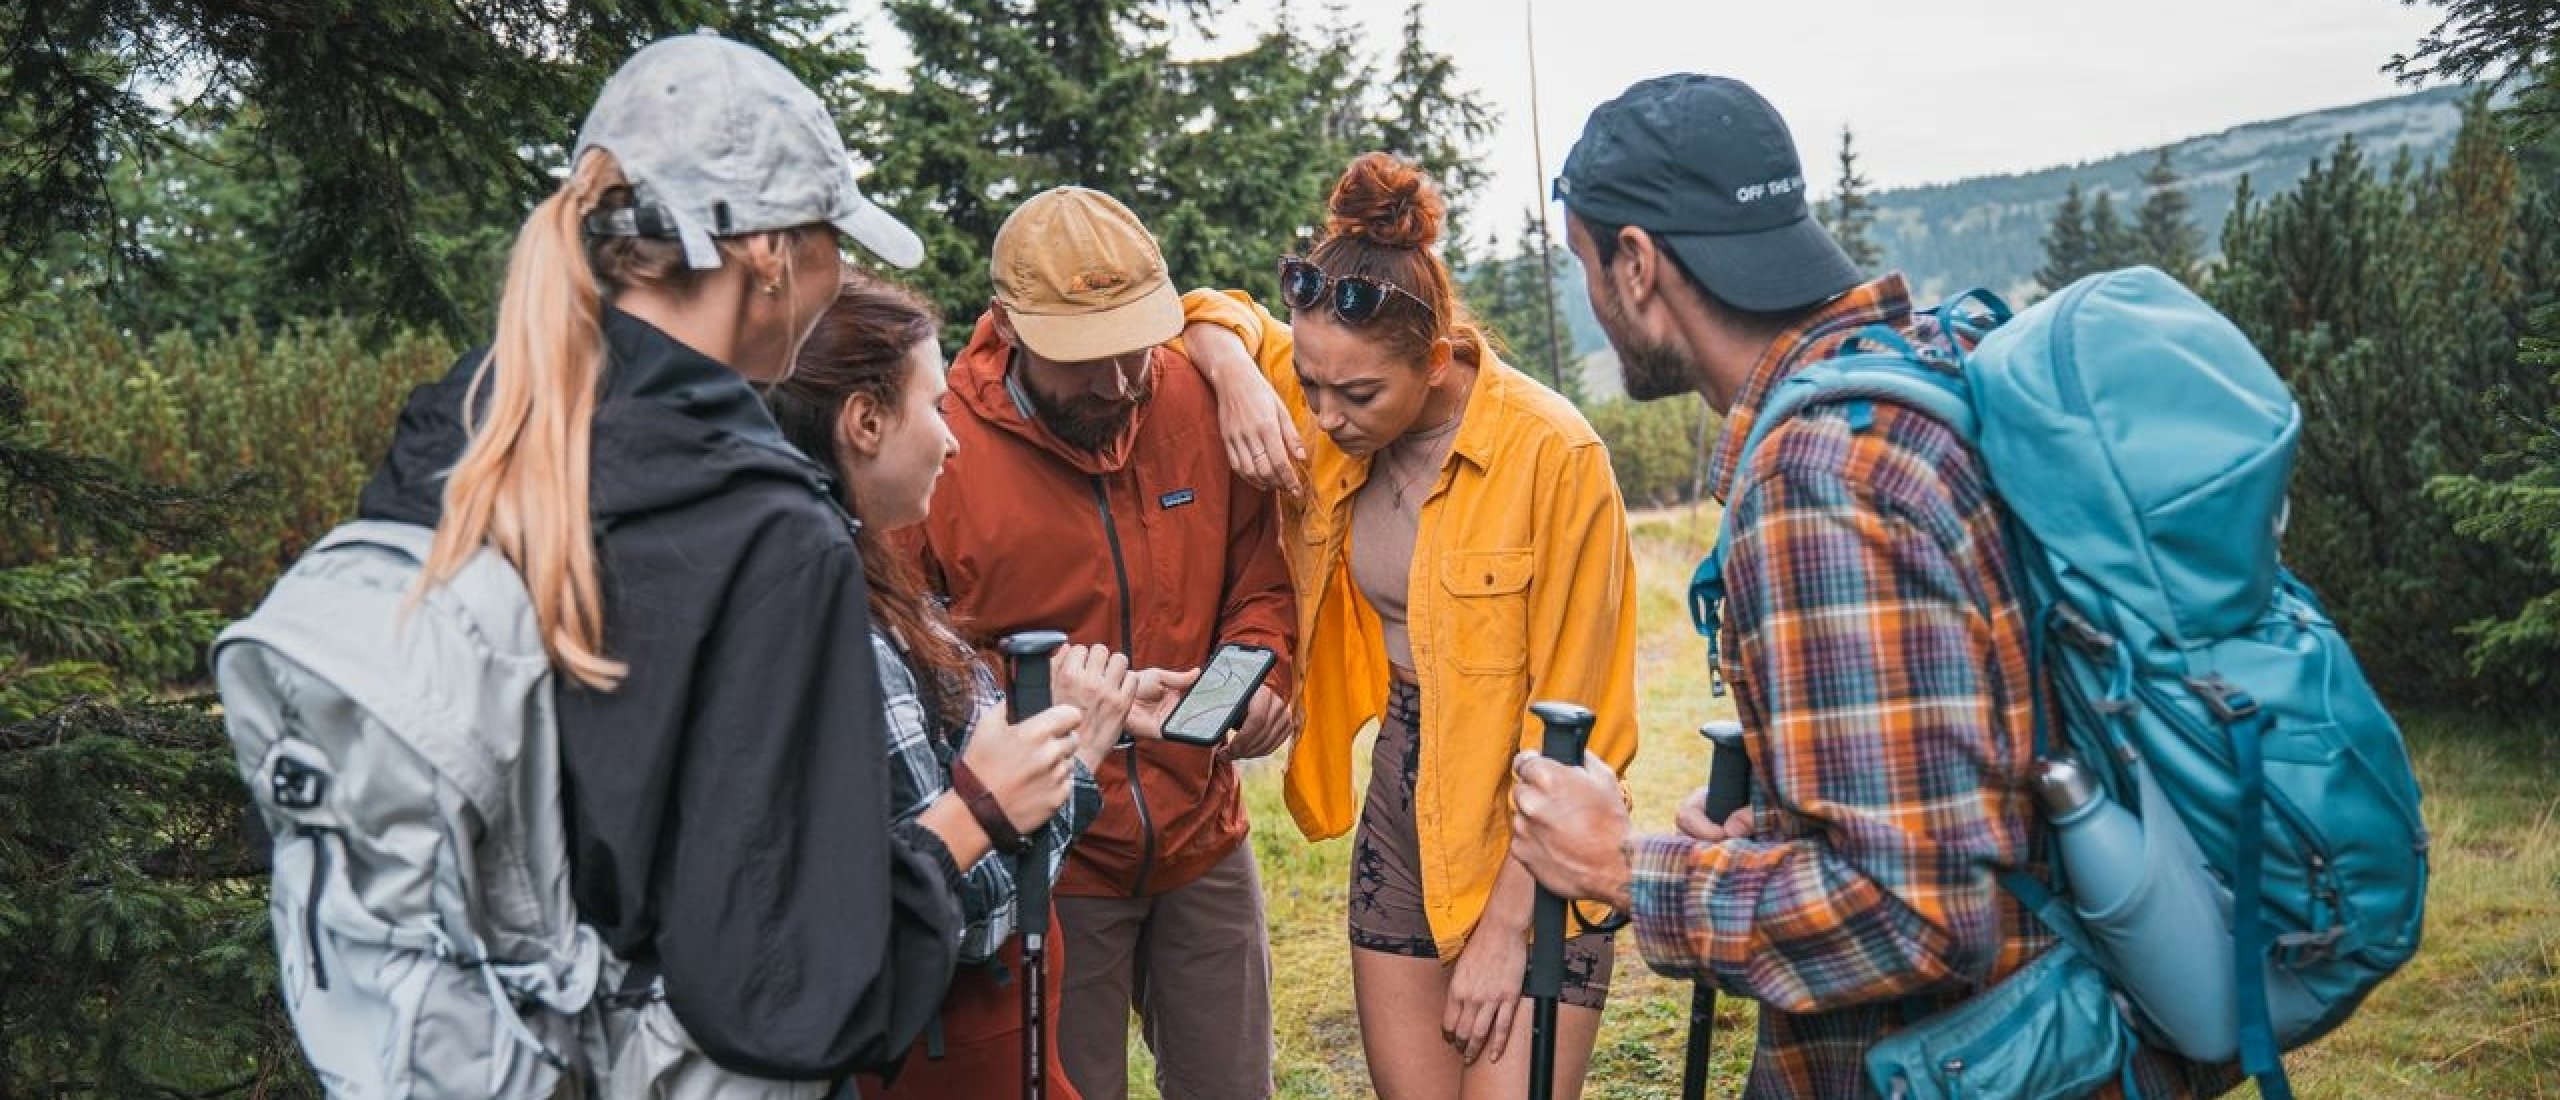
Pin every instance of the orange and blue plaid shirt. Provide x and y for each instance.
(1875, 643)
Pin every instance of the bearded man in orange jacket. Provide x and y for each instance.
(1091, 494)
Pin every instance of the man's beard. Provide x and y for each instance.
(1651, 370)
(1089, 424)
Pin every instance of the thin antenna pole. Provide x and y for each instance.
(1546, 239)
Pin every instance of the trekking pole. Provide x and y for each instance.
(1728, 789)
(1028, 654)
(1568, 726)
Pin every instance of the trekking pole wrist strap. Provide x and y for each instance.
(984, 808)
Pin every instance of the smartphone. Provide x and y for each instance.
(1216, 702)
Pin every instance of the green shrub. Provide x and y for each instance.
(2514, 501)
(307, 410)
(135, 957)
(1654, 446)
(2391, 301)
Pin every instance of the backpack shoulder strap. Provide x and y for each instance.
(486, 591)
(1898, 376)
(343, 619)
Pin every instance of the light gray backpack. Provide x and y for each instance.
(405, 759)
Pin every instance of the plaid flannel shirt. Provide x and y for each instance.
(920, 758)
(1875, 644)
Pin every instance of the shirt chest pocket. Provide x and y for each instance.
(1488, 612)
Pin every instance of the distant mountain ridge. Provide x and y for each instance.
(1989, 231)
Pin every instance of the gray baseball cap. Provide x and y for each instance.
(720, 140)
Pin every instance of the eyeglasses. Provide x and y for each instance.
(1355, 299)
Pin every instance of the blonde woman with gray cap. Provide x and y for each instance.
(698, 590)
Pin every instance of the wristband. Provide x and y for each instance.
(984, 808)
(1617, 919)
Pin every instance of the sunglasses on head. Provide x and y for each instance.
(1355, 299)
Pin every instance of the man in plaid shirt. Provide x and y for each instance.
(1872, 632)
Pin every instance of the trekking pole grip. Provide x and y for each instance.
(1728, 772)
(1728, 789)
(1028, 655)
(1568, 729)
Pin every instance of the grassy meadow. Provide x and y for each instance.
(2477, 1015)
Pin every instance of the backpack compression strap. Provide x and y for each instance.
(1899, 376)
(2240, 718)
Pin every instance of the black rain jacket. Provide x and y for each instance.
(728, 805)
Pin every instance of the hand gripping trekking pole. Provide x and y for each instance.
(1568, 727)
(1728, 789)
(1028, 653)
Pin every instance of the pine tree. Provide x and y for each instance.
(2514, 503)
(2509, 39)
(2390, 301)
(1851, 215)
(2163, 234)
(2111, 241)
(1241, 176)
(2511, 501)
(2069, 252)
(134, 949)
(387, 139)
(1226, 160)
(1514, 298)
(1430, 118)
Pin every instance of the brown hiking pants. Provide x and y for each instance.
(1195, 962)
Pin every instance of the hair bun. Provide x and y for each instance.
(1386, 200)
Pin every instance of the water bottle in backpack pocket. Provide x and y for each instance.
(2138, 882)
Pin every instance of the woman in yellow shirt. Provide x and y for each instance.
(1459, 549)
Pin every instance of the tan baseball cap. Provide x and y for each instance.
(1081, 280)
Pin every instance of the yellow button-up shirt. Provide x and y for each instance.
(1522, 589)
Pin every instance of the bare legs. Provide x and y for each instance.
(1400, 1001)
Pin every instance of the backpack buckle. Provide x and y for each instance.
(2078, 632)
(2297, 949)
(2227, 702)
(1706, 612)
(294, 785)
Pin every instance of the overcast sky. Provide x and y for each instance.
(1936, 90)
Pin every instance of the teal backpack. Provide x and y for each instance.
(2141, 447)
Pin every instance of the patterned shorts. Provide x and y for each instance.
(1386, 879)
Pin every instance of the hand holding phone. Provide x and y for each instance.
(1153, 700)
(1217, 701)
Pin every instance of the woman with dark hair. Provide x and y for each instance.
(1459, 550)
(866, 404)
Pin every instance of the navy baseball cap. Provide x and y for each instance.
(1708, 166)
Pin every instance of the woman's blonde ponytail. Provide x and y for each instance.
(522, 482)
